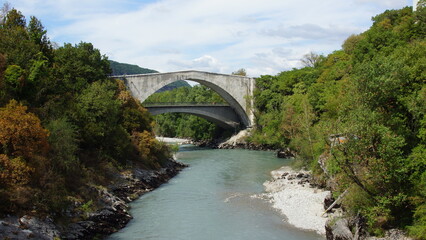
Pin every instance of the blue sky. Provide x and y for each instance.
(262, 36)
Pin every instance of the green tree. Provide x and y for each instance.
(38, 35)
(14, 19)
(78, 66)
(63, 140)
(97, 112)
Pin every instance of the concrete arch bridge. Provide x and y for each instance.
(237, 91)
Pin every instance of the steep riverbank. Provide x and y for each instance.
(109, 218)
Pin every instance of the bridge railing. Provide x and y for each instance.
(192, 104)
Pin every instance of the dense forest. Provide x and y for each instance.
(361, 112)
(65, 127)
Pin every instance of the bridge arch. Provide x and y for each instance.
(235, 90)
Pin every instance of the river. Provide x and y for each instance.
(212, 199)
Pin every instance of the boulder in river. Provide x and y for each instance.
(285, 153)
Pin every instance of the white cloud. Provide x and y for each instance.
(385, 3)
(309, 31)
(264, 37)
(204, 63)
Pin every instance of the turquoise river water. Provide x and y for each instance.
(213, 199)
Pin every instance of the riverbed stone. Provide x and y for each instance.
(338, 229)
(328, 200)
(285, 153)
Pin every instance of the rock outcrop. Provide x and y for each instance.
(27, 227)
(285, 153)
(338, 229)
(239, 141)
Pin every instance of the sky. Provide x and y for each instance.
(222, 36)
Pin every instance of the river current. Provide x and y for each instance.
(213, 199)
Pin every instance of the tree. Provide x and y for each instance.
(78, 66)
(15, 174)
(14, 77)
(23, 152)
(3, 11)
(311, 59)
(64, 142)
(240, 72)
(97, 112)
(37, 34)
(21, 133)
(134, 116)
(152, 152)
(14, 18)
(15, 42)
(420, 19)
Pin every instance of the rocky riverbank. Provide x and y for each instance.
(291, 193)
(239, 141)
(107, 219)
(308, 207)
(305, 204)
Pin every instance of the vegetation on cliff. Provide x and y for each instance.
(363, 108)
(64, 125)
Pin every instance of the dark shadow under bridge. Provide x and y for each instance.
(219, 113)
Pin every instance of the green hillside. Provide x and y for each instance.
(171, 86)
(125, 68)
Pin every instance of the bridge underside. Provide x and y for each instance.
(223, 116)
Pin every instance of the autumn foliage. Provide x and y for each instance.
(151, 151)
(21, 133)
(14, 172)
(23, 147)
